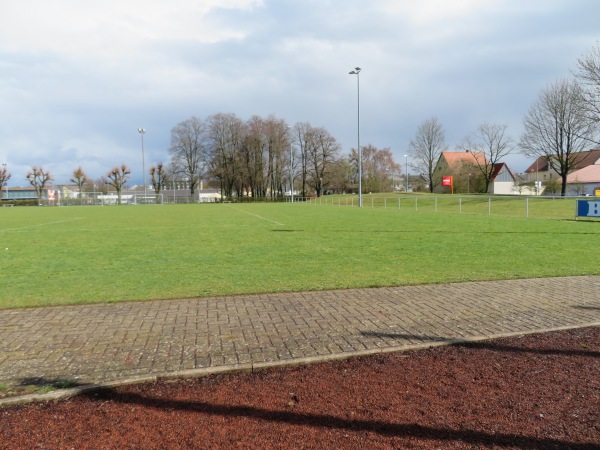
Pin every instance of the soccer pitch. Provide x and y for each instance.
(68, 255)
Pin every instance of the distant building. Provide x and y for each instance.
(583, 180)
(503, 180)
(467, 177)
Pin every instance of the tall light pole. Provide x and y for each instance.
(406, 170)
(291, 167)
(356, 72)
(142, 131)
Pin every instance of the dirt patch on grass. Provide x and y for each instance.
(538, 391)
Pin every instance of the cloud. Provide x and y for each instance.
(111, 29)
(77, 78)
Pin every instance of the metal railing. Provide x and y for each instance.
(513, 206)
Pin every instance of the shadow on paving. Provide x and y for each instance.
(587, 308)
(325, 421)
(50, 383)
(488, 345)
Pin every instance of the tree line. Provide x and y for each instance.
(259, 158)
(265, 157)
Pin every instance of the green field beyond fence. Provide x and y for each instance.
(509, 206)
(51, 256)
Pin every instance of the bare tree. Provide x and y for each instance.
(39, 178)
(79, 178)
(322, 153)
(252, 158)
(117, 177)
(225, 137)
(558, 128)
(302, 131)
(426, 148)
(343, 174)
(158, 177)
(188, 151)
(277, 143)
(588, 75)
(377, 167)
(491, 141)
(4, 177)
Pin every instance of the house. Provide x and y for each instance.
(541, 171)
(503, 180)
(585, 181)
(209, 196)
(51, 194)
(183, 196)
(467, 178)
(19, 193)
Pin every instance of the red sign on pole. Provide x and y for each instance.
(448, 181)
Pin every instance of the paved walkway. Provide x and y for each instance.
(96, 344)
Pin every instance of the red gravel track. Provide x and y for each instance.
(539, 391)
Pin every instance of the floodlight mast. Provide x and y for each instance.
(356, 72)
(142, 131)
(291, 167)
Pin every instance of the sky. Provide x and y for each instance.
(77, 79)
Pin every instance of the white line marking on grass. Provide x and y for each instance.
(42, 224)
(256, 215)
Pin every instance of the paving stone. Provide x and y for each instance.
(109, 342)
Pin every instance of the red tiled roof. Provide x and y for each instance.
(453, 158)
(589, 174)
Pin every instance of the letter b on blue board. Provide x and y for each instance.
(588, 208)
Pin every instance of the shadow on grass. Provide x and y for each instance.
(326, 421)
(488, 345)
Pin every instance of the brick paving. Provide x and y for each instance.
(103, 343)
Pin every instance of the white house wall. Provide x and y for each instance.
(503, 188)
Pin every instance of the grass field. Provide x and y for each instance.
(51, 256)
(509, 206)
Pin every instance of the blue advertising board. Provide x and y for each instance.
(588, 208)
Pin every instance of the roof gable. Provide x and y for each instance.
(500, 168)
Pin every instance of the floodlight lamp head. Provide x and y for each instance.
(141, 130)
(358, 69)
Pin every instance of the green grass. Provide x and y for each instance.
(509, 206)
(109, 254)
